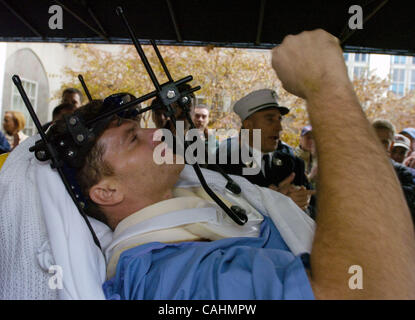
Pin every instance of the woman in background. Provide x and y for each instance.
(13, 124)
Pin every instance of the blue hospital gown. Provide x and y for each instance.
(229, 269)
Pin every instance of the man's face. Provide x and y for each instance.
(269, 121)
(398, 154)
(384, 137)
(161, 121)
(72, 98)
(62, 113)
(201, 118)
(307, 142)
(129, 150)
(8, 123)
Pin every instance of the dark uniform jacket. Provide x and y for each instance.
(407, 180)
(283, 163)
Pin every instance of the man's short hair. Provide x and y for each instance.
(93, 167)
(202, 106)
(62, 107)
(385, 124)
(72, 91)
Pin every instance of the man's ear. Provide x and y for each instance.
(106, 193)
(247, 124)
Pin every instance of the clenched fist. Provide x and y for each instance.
(310, 62)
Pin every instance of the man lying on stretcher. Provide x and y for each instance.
(357, 223)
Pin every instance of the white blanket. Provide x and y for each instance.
(40, 227)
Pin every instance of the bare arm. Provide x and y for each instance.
(362, 218)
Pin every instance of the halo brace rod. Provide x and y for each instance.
(168, 94)
(57, 163)
(81, 79)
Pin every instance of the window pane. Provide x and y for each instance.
(31, 91)
(399, 59)
(402, 75)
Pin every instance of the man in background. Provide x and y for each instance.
(307, 152)
(279, 170)
(201, 120)
(400, 148)
(410, 134)
(386, 132)
(73, 96)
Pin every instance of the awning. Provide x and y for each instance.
(387, 27)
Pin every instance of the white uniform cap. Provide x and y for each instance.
(256, 101)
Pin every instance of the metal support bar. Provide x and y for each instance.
(260, 22)
(139, 49)
(23, 20)
(99, 24)
(345, 36)
(163, 64)
(81, 79)
(173, 19)
(81, 20)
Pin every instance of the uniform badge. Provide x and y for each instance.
(251, 164)
(277, 162)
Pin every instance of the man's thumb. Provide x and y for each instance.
(288, 180)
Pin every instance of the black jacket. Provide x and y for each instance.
(407, 180)
(283, 163)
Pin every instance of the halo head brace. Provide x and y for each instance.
(117, 100)
(73, 138)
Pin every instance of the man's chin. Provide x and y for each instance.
(271, 147)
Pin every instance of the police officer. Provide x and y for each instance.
(280, 169)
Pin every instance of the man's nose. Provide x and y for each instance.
(278, 125)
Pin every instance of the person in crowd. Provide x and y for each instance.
(69, 96)
(410, 159)
(161, 121)
(73, 96)
(58, 113)
(280, 168)
(4, 144)
(357, 223)
(62, 109)
(13, 124)
(201, 120)
(410, 134)
(385, 131)
(400, 148)
(307, 152)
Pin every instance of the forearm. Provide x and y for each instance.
(362, 214)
